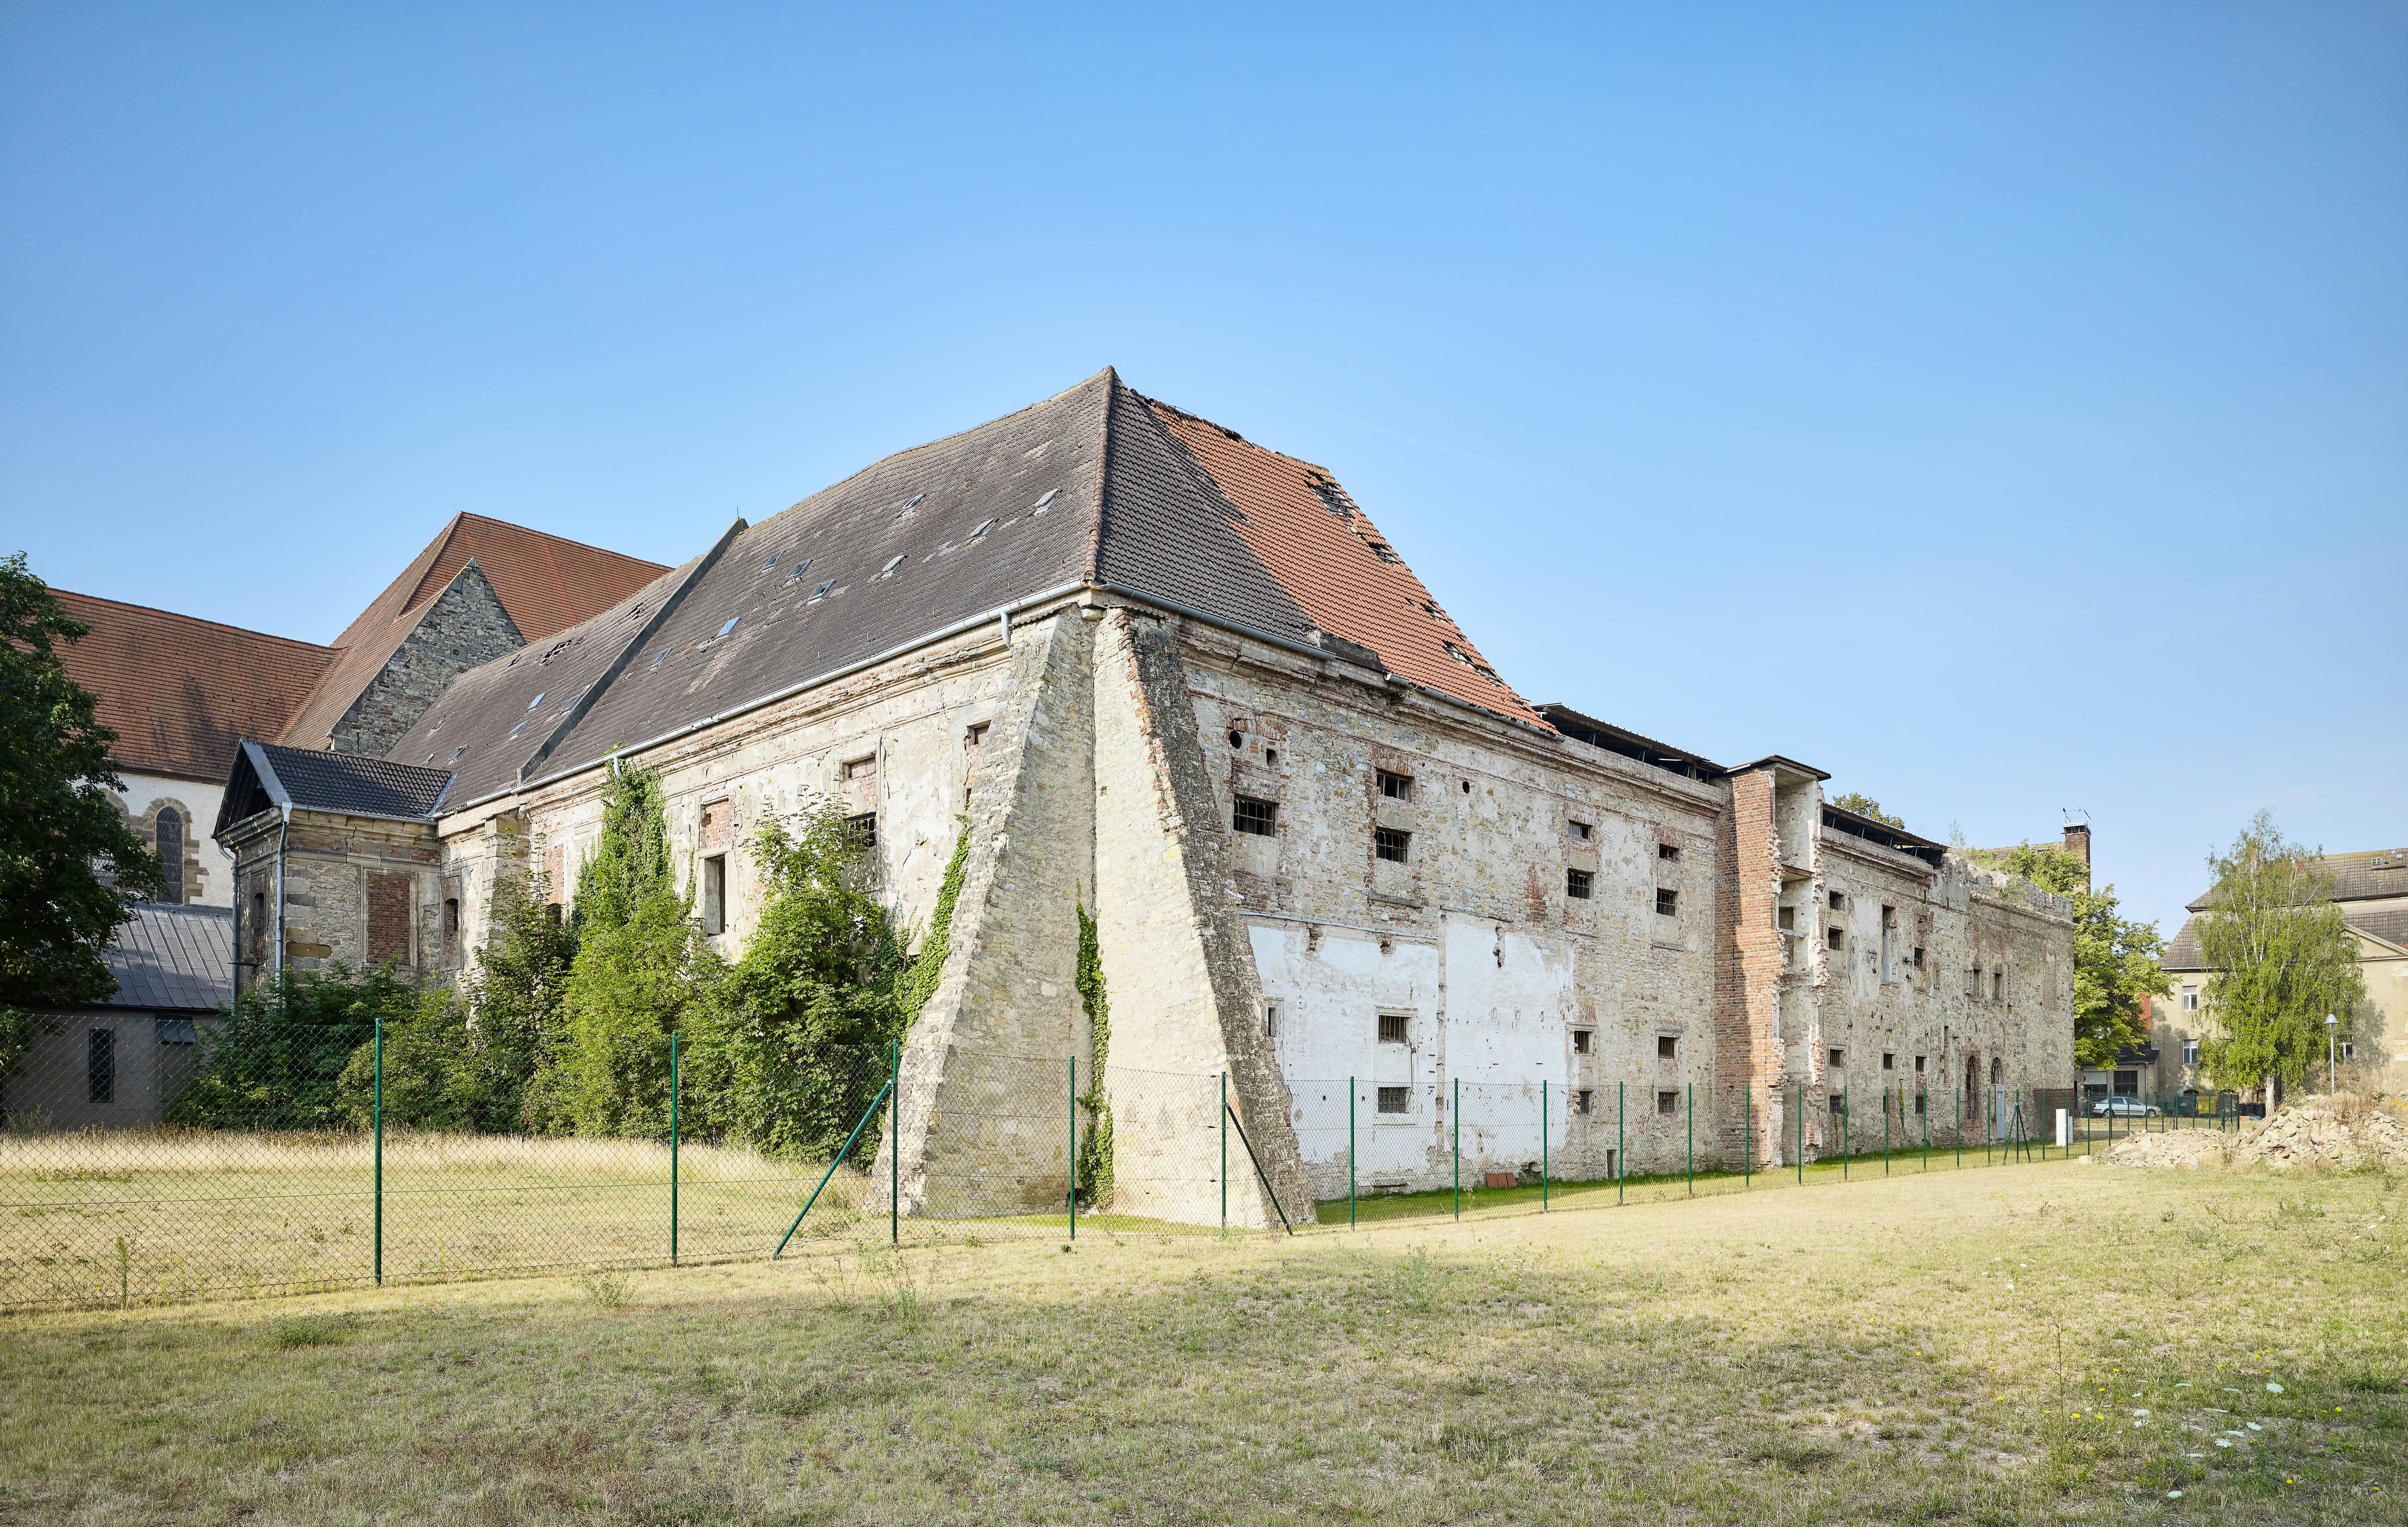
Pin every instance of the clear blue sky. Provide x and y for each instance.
(2004, 408)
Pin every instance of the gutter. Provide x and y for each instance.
(791, 690)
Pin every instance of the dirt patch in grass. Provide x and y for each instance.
(2022, 1345)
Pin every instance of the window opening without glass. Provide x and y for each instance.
(1391, 843)
(1396, 786)
(1259, 818)
(1578, 883)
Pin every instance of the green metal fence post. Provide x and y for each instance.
(673, 1147)
(1689, 1126)
(1801, 1134)
(1224, 1150)
(1960, 1129)
(1074, 1147)
(1542, 1144)
(1885, 1132)
(380, 1147)
(1747, 1144)
(1456, 1111)
(895, 1145)
(1844, 1131)
(1621, 1138)
(1350, 1153)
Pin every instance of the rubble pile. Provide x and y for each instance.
(2340, 1131)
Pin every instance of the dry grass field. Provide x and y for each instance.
(2022, 1344)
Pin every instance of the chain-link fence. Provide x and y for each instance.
(286, 1157)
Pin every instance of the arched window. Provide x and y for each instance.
(1998, 1071)
(171, 854)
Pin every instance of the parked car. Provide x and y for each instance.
(2120, 1106)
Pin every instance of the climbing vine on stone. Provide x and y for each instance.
(919, 982)
(1095, 1173)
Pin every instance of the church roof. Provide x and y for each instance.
(545, 582)
(1094, 486)
(181, 692)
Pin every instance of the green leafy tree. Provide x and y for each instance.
(1866, 806)
(2115, 970)
(2281, 959)
(2050, 868)
(641, 967)
(518, 992)
(71, 871)
(279, 1061)
(795, 1048)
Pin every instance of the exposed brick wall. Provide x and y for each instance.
(388, 939)
(1747, 997)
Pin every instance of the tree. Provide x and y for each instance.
(2115, 968)
(516, 996)
(641, 968)
(2050, 868)
(279, 1062)
(1866, 806)
(2280, 960)
(794, 1050)
(71, 871)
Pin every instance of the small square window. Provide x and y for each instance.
(1919, 1101)
(1581, 1102)
(1392, 1028)
(1583, 1039)
(1788, 919)
(2349, 1050)
(1576, 884)
(1839, 1058)
(1270, 1020)
(1838, 1104)
(1919, 1065)
(1919, 958)
(1668, 1047)
(1838, 901)
(1579, 830)
(1668, 1103)
(1835, 938)
(1889, 1061)
(1396, 786)
(2190, 1052)
(1390, 843)
(1259, 818)
(1667, 850)
(1396, 1099)
(863, 831)
(1667, 902)
(1998, 986)
(1973, 981)
(2190, 999)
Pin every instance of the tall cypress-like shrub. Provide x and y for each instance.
(640, 969)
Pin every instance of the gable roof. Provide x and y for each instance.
(2389, 924)
(545, 583)
(2375, 875)
(1096, 486)
(181, 692)
(173, 957)
(265, 776)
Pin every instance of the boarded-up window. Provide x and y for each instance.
(714, 826)
(860, 787)
(388, 919)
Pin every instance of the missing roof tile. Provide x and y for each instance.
(1333, 498)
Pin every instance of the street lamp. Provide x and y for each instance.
(2331, 1025)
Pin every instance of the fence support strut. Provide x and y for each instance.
(868, 1114)
(1259, 1175)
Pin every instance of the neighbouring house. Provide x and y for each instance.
(2371, 888)
(1157, 671)
(120, 1062)
(181, 692)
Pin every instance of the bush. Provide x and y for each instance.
(279, 1062)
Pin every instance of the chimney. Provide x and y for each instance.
(2077, 841)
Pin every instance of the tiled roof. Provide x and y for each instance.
(310, 779)
(174, 958)
(179, 692)
(1094, 485)
(1333, 562)
(545, 583)
(2389, 924)
(2375, 875)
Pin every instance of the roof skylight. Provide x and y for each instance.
(981, 530)
(799, 569)
(772, 562)
(729, 627)
(888, 570)
(533, 703)
(663, 658)
(1038, 507)
(820, 592)
(514, 731)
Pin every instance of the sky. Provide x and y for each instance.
(2002, 408)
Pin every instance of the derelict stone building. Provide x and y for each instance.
(1183, 680)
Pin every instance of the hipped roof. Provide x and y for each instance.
(1095, 486)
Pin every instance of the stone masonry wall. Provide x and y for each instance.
(464, 627)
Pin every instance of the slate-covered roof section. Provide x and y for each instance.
(1630, 744)
(915, 544)
(494, 720)
(266, 775)
(1337, 567)
(174, 958)
(2181, 951)
(2373, 874)
(182, 693)
(2389, 924)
